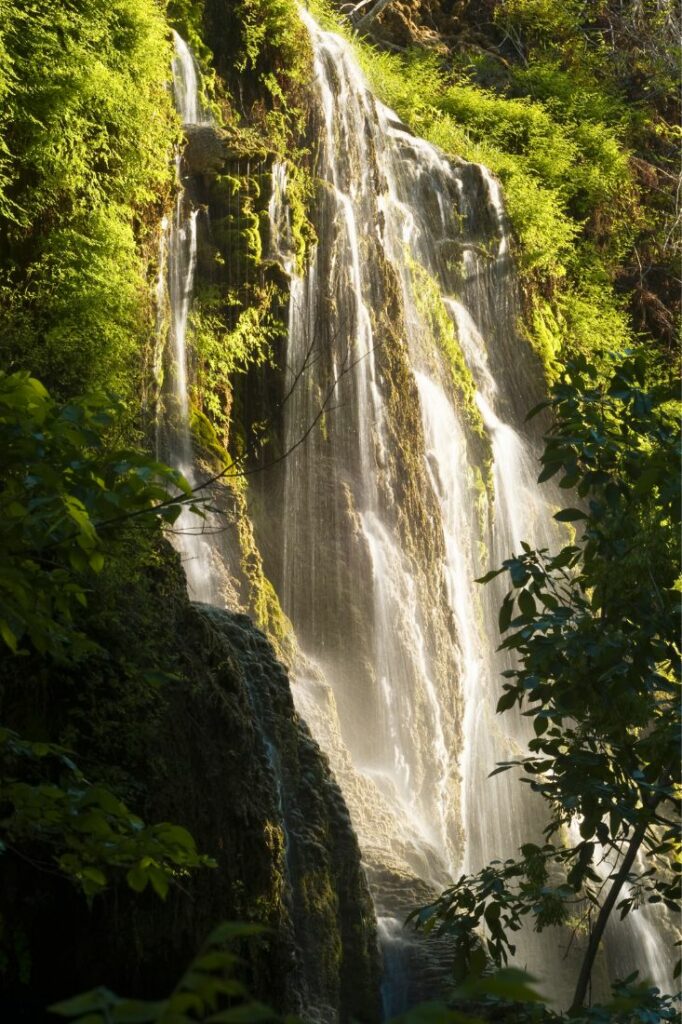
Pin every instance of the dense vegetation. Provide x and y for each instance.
(580, 125)
(87, 129)
(571, 106)
(595, 629)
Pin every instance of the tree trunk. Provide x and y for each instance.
(604, 914)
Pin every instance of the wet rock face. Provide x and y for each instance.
(325, 900)
(220, 750)
(204, 149)
(207, 149)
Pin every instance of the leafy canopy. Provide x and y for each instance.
(88, 833)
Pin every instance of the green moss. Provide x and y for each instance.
(582, 318)
(206, 439)
(441, 329)
(262, 601)
(321, 905)
(92, 128)
(221, 351)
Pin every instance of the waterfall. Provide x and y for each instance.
(186, 84)
(405, 375)
(307, 893)
(403, 334)
(191, 534)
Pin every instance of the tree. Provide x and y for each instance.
(595, 631)
(364, 13)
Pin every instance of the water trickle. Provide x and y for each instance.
(186, 84)
(191, 534)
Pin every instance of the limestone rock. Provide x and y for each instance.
(207, 149)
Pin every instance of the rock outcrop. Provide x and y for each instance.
(219, 749)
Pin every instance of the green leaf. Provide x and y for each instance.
(569, 515)
(95, 999)
(538, 409)
(510, 984)
(137, 878)
(94, 875)
(8, 636)
(228, 931)
(489, 576)
(506, 701)
(518, 573)
(159, 880)
(564, 558)
(540, 725)
(506, 613)
(548, 472)
(135, 1011)
(216, 960)
(97, 561)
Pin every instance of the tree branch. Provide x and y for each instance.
(367, 19)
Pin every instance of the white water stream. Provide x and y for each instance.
(192, 535)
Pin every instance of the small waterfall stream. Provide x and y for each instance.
(191, 537)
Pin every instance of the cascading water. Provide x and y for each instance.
(180, 240)
(319, 995)
(383, 516)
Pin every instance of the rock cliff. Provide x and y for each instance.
(217, 747)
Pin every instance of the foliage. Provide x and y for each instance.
(66, 488)
(509, 994)
(65, 484)
(201, 994)
(222, 352)
(274, 45)
(86, 829)
(211, 977)
(613, 64)
(595, 632)
(87, 129)
(263, 56)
